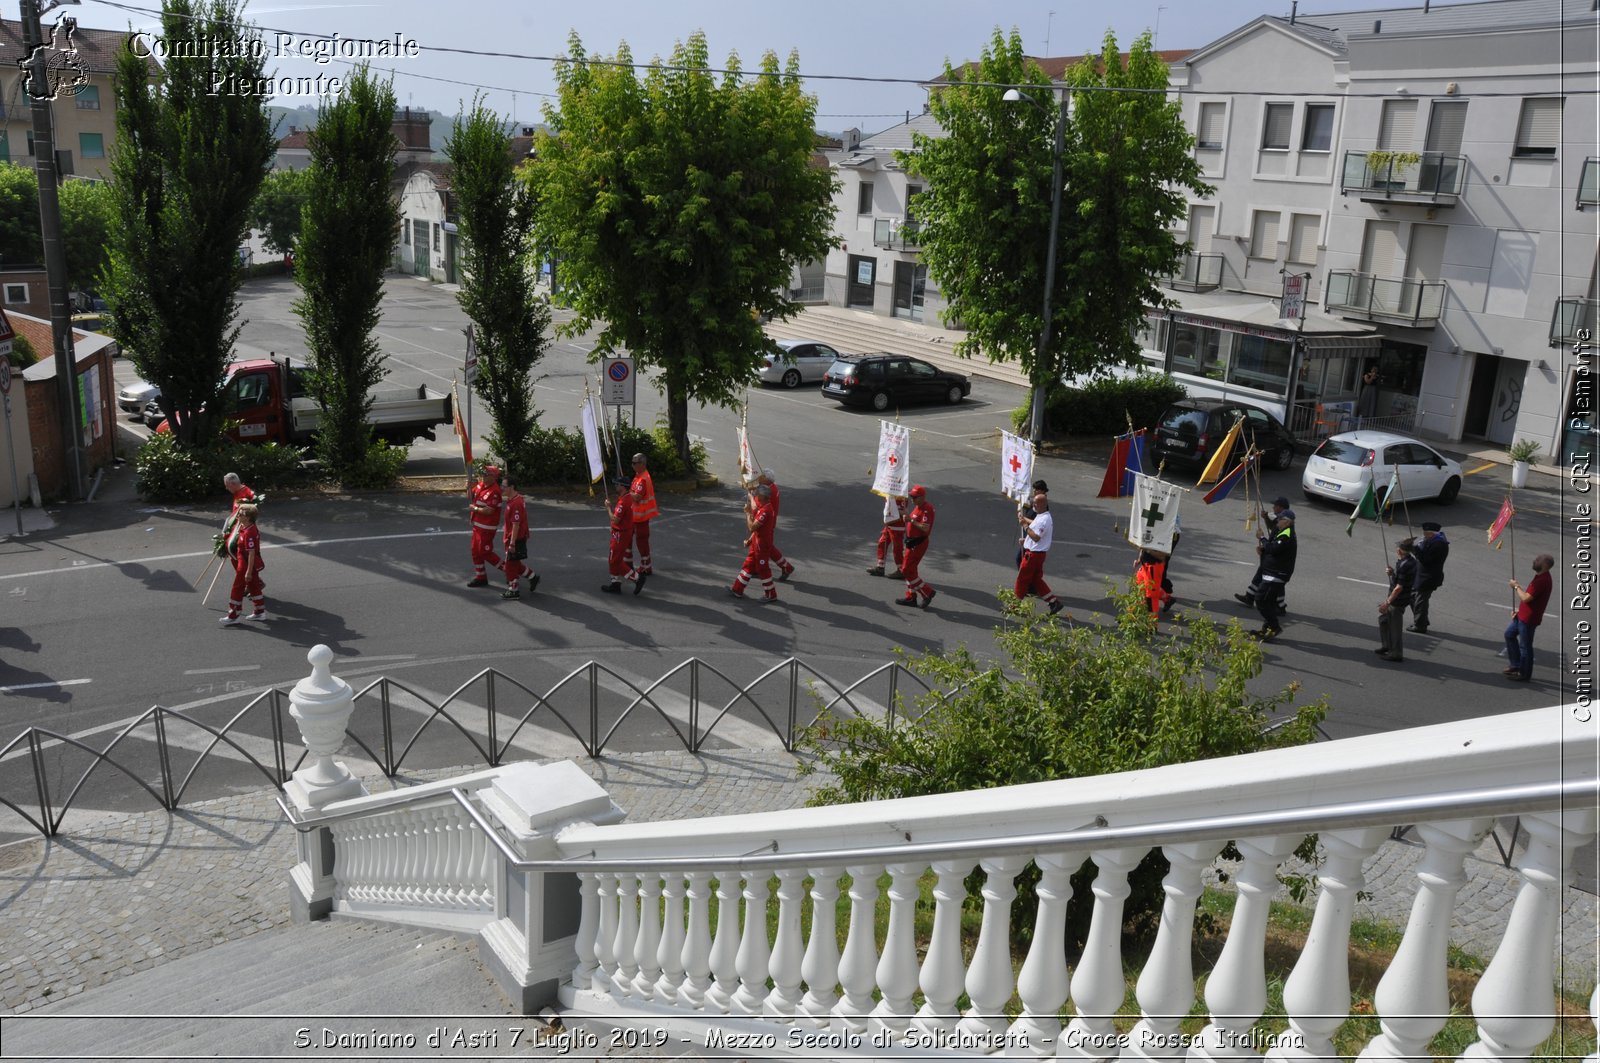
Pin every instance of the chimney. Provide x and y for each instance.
(291, 131)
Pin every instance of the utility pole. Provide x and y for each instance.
(55, 261)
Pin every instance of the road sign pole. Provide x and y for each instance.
(16, 493)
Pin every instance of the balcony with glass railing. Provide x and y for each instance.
(1430, 177)
(1573, 322)
(1589, 184)
(1197, 272)
(896, 234)
(1374, 298)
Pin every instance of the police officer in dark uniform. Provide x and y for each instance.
(1277, 549)
(1430, 554)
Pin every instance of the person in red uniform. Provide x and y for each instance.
(244, 547)
(760, 516)
(643, 489)
(1038, 532)
(893, 535)
(1150, 576)
(239, 490)
(774, 555)
(484, 505)
(919, 526)
(516, 541)
(622, 527)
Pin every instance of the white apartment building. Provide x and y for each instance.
(1432, 169)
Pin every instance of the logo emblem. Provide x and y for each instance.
(65, 73)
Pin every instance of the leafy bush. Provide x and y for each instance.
(1084, 700)
(169, 473)
(1103, 406)
(22, 353)
(380, 467)
(557, 455)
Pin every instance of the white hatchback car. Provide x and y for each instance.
(795, 362)
(1344, 464)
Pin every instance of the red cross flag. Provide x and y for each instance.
(1016, 467)
(893, 476)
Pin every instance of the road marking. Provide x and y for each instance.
(1503, 605)
(41, 686)
(229, 668)
(1368, 582)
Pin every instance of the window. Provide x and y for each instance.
(864, 198)
(912, 192)
(1396, 125)
(88, 97)
(1317, 135)
(1303, 238)
(1275, 126)
(437, 230)
(92, 145)
(1208, 130)
(1539, 129)
(30, 142)
(5, 147)
(16, 293)
(1264, 234)
(405, 233)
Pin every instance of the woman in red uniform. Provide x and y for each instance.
(244, 547)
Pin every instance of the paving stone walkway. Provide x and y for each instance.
(131, 892)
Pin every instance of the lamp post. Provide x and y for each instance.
(1040, 384)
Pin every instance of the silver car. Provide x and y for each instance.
(795, 362)
(136, 396)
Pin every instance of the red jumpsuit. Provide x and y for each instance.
(622, 528)
(756, 564)
(916, 546)
(516, 539)
(894, 531)
(644, 511)
(484, 527)
(244, 546)
(775, 555)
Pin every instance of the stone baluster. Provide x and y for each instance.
(896, 972)
(646, 947)
(1166, 985)
(754, 950)
(406, 863)
(1594, 1020)
(669, 955)
(820, 964)
(1515, 1000)
(1413, 997)
(588, 921)
(858, 964)
(364, 875)
(1098, 983)
(1236, 991)
(725, 946)
(605, 956)
(1042, 982)
(627, 933)
(346, 859)
(480, 868)
(786, 946)
(424, 844)
(450, 866)
(989, 981)
(943, 976)
(697, 942)
(1317, 994)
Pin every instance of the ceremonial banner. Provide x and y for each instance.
(1224, 451)
(749, 467)
(1016, 467)
(591, 441)
(1127, 458)
(1155, 513)
(1366, 506)
(461, 429)
(1500, 522)
(1394, 492)
(1226, 485)
(893, 476)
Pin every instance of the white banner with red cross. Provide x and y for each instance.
(1016, 467)
(893, 476)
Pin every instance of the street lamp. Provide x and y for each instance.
(1041, 386)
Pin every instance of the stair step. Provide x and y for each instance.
(860, 332)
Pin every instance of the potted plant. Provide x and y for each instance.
(1388, 168)
(1524, 454)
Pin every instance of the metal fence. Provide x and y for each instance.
(484, 716)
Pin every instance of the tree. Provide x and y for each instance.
(276, 211)
(495, 212)
(350, 222)
(678, 206)
(19, 216)
(188, 161)
(1128, 173)
(88, 212)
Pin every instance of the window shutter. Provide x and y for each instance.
(1540, 126)
(1396, 126)
(1303, 238)
(1275, 127)
(1264, 234)
(1209, 134)
(1446, 126)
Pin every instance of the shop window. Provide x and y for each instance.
(1258, 362)
(1197, 350)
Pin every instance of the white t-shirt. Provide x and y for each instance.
(1044, 528)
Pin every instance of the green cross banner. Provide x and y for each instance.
(1154, 519)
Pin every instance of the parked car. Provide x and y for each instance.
(884, 380)
(795, 362)
(136, 396)
(1344, 464)
(1190, 430)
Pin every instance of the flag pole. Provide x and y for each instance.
(1511, 526)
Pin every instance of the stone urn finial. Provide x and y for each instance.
(321, 705)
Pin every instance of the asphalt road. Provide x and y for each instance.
(102, 620)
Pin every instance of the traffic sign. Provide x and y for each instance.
(5, 375)
(472, 356)
(616, 385)
(5, 334)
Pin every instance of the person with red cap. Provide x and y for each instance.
(759, 517)
(622, 528)
(774, 555)
(484, 505)
(919, 526)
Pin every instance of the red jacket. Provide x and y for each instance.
(516, 519)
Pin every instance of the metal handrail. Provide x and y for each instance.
(1459, 804)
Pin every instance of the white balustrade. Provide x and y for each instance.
(646, 948)
(787, 948)
(858, 964)
(820, 964)
(588, 920)
(1317, 994)
(896, 972)
(1594, 1020)
(627, 934)
(942, 976)
(725, 946)
(989, 981)
(697, 942)
(669, 956)
(605, 941)
(423, 860)
(1042, 982)
(1165, 989)
(754, 951)
(1098, 987)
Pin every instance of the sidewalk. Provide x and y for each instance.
(140, 890)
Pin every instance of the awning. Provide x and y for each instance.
(1322, 347)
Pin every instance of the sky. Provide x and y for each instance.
(863, 61)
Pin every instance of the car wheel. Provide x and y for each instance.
(1283, 457)
(791, 379)
(954, 395)
(880, 401)
(1452, 488)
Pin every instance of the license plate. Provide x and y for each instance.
(1330, 485)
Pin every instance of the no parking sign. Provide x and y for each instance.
(616, 383)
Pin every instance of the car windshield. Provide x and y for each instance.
(1343, 451)
(1184, 421)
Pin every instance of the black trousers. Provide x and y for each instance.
(1269, 603)
(1419, 605)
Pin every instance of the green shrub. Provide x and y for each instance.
(22, 353)
(1104, 406)
(169, 473)
(380, 468)
(1075, 700)
(557, 455)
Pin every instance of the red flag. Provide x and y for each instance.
(1127, 458)
(1500, 521)
(1228, 482)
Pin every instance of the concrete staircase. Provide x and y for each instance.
(863, 332)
